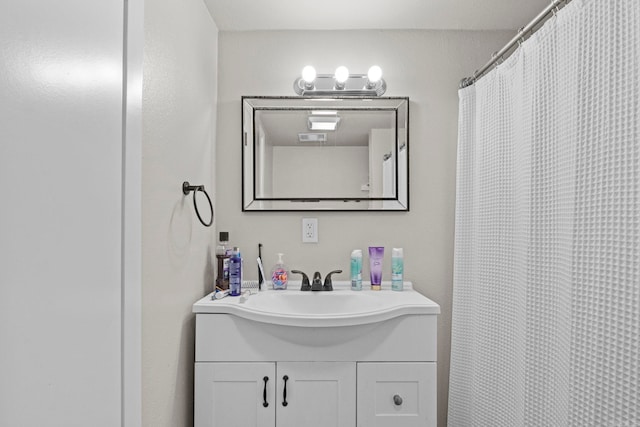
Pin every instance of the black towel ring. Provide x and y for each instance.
(186, 189)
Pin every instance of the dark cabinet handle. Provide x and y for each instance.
(264, 393)
(397, 400)
(284, 392)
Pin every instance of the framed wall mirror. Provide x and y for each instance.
(332, 154)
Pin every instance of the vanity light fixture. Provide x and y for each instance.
(341, 83)
(308, 76)
(374, 75)
(341, 76)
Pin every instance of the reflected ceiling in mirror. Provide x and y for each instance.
(334, 154)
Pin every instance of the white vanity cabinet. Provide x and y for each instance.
(396, 394)
(318, 394)
(234, 394)
(255, 373)
(310, 394)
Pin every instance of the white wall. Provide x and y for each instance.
(180, 75)
(424, 65)
(297, 168)
(61, 180)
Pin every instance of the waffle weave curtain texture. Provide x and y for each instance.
(546, 302)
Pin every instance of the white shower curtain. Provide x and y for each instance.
(546, 304)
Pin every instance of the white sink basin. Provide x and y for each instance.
(341, 307)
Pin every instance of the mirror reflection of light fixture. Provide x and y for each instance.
(312, 137)
(324, 112)
(341, 83)
(323, 122)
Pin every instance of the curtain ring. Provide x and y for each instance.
(497, 60)
(521, 35)
(187, 188)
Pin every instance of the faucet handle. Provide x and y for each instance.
(328, 285)
(316, 285)
(305, 280)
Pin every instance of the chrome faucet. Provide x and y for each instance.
(316, 285)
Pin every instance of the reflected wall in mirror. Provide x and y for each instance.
(334, 154)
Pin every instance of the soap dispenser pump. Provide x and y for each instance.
(279, 274)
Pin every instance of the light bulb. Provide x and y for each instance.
(308, 74)
(374, 74)
(342, 74)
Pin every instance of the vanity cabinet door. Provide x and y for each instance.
(316, 394)
(234, 394)
(397, 394)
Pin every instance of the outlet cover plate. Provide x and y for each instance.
(309, 230)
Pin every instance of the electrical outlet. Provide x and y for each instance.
(309, 230)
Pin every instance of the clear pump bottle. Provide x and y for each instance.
(279, 274)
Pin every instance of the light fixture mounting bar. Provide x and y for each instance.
(325, 85)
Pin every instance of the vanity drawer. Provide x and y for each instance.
(396, 394)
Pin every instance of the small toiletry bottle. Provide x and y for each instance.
(235, 273)
(356, 270)
(222, 281)
(279, 275)
(397, 269)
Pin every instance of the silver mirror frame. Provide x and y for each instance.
(251, 203)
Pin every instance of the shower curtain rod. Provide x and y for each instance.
(519, 38)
